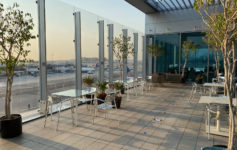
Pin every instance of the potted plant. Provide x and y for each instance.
(122, 48)
(189, 47)
(122, 88)
(102, 87)
(88, 81)
(118, 86)
(15, 34)
(155, 51)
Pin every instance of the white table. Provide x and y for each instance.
(216, 100)
(74, 95)
(221, 84)
(221, 100)
(216, 85)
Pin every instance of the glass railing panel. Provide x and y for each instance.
(60, 46)
(61, 53)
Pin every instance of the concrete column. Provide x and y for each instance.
(135, 54)
(101, 50)
(42, 54)
(125, 34)
(110, 46)
(150, 59)
(144, 72)
(77, 19)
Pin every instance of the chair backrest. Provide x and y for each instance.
(194, 84)
(110, 94)
(50, 99)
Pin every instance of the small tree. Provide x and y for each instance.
(222, 25)
(215, 46)
(15, 34)
(122, 48)
(155, 51)
(189, 48)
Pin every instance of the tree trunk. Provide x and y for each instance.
(231, 112)
(217, 60)
(185, 63)
(155, 64)
(229, 66)
(8, 95)
(121, 72)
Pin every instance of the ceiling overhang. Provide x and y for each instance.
(152, 6)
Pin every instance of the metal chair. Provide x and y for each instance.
(148, 82)
(141, 85)
(217, 112)
(129, 89)
(106, 106)
(196, 89)
(138, 86)
(85, 100)
(58, 106)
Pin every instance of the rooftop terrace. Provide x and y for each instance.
(181, 126)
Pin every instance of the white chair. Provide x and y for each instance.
(218, 113)
(85, 100)
(58, 106)
(140, 85)
(196, 89)
(148, 84)
(106, 105)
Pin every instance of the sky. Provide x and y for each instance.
(60, 24)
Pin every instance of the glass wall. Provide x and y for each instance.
(61, 53)
(172, 60)
(168, 61)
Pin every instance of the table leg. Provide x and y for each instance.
(208, 121)
(72, 111)
(218, 118)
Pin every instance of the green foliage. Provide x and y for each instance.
(118, 85)
(88, 80)
(102, 86)
(221, 25)
(189, 47)
(122, 47)
(155, 50)
(15, 34)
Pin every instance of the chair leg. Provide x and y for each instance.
(189, 100)
(208, 116)
(51, 112)
(59, 115)
(72, 111)
(127, 94)
(76, 114)
(94, 115)
(46, 113)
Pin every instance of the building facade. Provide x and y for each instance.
(169, 23)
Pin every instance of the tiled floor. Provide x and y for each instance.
(132, 127)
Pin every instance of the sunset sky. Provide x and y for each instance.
(60, 24)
